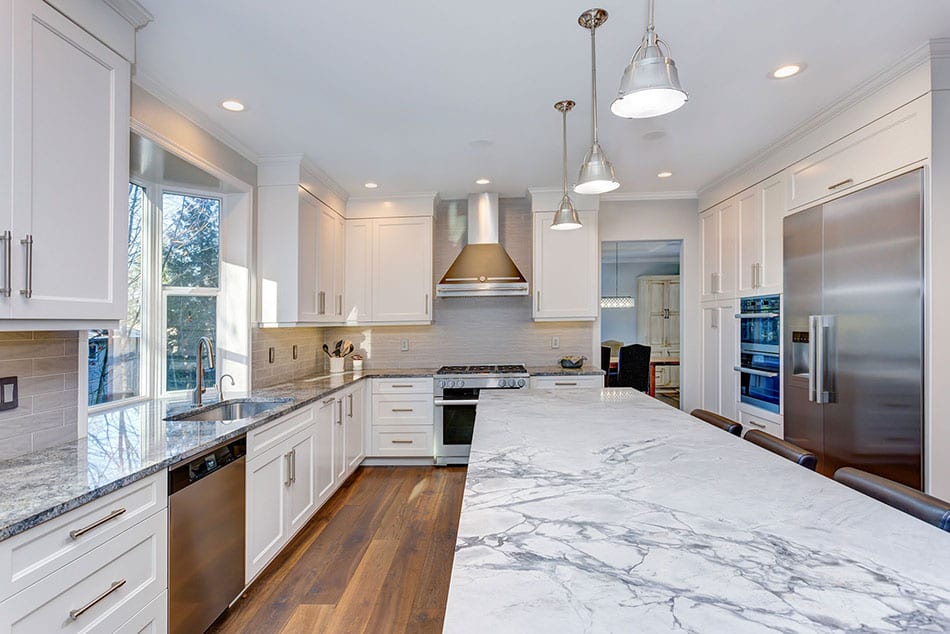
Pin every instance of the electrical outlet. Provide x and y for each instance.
(555, 343)
(295, 352)
(404, 345)
(271, 355)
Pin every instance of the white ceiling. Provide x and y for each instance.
(397, 92)
(640, 251)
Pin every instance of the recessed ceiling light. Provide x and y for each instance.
(664, 174)
(654, 135)
(370, 185)
(483, 181)
(232, 105)
(788, 70)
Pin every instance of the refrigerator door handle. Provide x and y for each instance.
(812, 344)
(819, 359)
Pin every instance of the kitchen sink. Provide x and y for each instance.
(235, 409)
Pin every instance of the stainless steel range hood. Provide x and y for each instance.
(483, 268)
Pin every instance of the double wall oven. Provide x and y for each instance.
(456, 392)
(760, 335)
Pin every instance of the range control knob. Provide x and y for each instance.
(441, 384)
(501, 383)
(460, 383)
(521, 382)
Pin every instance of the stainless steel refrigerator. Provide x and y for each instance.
(853, 330)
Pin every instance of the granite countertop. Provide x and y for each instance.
(556, 370)
(608, 511)
(130, 443)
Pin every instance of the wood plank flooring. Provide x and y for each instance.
(376, 558)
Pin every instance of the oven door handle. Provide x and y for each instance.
(441, 402)
(770, 375)
(756, 315)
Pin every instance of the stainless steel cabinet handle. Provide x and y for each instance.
(443, 403)
(755, 424)
(78, 612)
(339, 304)
(565, 384)
(539, 301)
(402, 409)
(401, 385)
(756, 315)
(28, 243)
(339, 420)
(288, 481)
(7, 239)
(79, 532)
(847, 181)
(322, 303)
(349, 405)
(427, 303)
(327, 401)
(714, 319)
(401, 442)
(770, 375)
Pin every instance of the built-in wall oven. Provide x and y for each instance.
(760, 335)
(456, 393)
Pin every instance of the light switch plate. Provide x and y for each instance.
(404, 345)
(555, 343)
(9, 393)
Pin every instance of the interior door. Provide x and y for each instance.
(873, 271)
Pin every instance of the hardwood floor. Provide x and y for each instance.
(376, 558)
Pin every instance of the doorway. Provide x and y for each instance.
(640, 304)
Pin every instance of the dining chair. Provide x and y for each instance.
(782, 448)
(723, 423)
(634, 367)
(899, 496)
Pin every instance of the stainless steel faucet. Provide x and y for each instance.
(206, 343)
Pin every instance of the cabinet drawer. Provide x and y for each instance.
(893, 141)
(113, 582)
(263, 438)
(566, 382)
(402, 410)
(402, 441)
(403, 386)
(34, 554)
(762, 423)
(152, 619)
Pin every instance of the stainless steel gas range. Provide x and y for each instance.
(456, 393)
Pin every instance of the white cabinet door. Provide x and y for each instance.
(709, 226)
(358, 279)
(339, 262)
(355, 405)
(566, 270)
(301, 498)
(339, 442)
(728, 352)
(710, 361)
(265, 521)
(729, 249)
(323, 453)
(402, 269)
(306, 266)
(329, 300)
(749, 211)
(70, 155)
(773, 208)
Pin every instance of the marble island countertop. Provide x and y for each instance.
(608, 511)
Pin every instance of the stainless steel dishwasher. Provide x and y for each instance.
(206, 537)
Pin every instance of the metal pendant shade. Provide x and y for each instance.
(650, 86)
(597, 174)
(565, 218)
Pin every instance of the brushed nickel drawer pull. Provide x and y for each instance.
(289, 479)
(75, 614)
(565, 384)
(847, 181)
(28, 243)
(349, 410)
(327, 401)
(7, 238)
(401, 442)
(76, 534)
(401, 385)
(402, 409)
(755, 424)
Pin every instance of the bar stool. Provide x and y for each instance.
(783, 448)
(901, 497)
(723, 423)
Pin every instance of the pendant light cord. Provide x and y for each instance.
(650, 25)
(564, 147)
(593, 83)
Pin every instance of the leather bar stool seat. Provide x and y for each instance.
(922, 506)
(723, 423)
(783, 448)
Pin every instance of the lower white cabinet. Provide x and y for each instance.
(720, 391)
(281, 497)
(566, 382)
(403, 419)
(354, 427)
(324, 471)
(152, 619)
(99, 591)
(752, 418)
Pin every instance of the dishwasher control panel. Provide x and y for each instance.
(205, 464)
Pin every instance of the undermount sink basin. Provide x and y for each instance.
(235, 409)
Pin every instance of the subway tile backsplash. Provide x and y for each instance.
(46, 365)
(309, 342)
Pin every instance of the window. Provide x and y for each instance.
(176, 283)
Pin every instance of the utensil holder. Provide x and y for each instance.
(336, 365)
(357, 365)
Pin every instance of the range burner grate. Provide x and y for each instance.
(483, 369)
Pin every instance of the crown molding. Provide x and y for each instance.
(132, 12)
(638, 196)
(875, 83)
(309, 166)
(403, 196)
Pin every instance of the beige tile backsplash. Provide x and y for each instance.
(47, 365)
(285, 368)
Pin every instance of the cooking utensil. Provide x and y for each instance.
(573, 363)
(337, 348)
(326, 349)
(347, 348)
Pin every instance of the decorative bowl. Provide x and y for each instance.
(573, 363)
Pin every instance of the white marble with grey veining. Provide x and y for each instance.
(608, 511)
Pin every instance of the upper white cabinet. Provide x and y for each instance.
(300, 257)
(896, 140)
(389, 270)
(65, 103)
(720, 243)
(566, 270)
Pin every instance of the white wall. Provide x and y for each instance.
(667, 220)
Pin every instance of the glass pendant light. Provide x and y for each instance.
(565, 218)
(597, 174)
(650, 86)
(616, 300)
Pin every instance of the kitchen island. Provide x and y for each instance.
(609, 511)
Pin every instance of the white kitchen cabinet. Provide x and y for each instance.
(300, 253)
(281, 494)
(339, 443)
(761, 210)
(355, 403)
(719, 228)
(566, 382)
(754, 418)
(709, 227)
(658, 312)
(388, 270)
(894, 141)
(64, 179)
(324, 433)
(720, 391)
(402, 421)
(566, 271)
